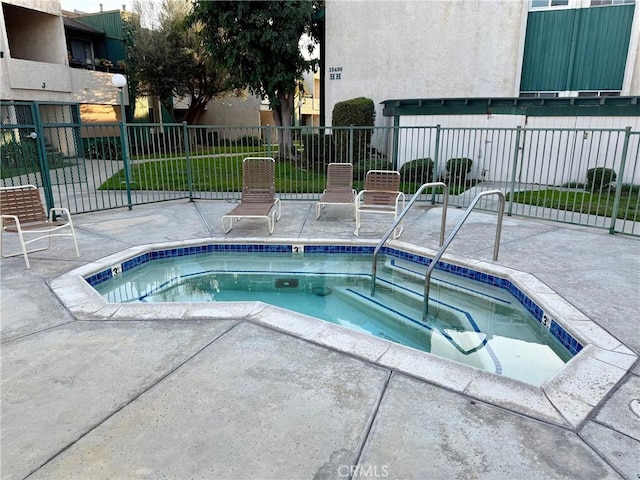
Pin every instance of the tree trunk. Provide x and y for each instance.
(282, 117)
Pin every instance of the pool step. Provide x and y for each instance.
(450, 341)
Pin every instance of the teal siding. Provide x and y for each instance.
(115, 50)
(576, 49)
(546, 54)
(109, 22)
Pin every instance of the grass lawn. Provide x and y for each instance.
(217, 174)
(221, 174)
(578, 201)
(224, 174)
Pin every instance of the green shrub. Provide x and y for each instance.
(458, 168)
(19, 154)
(573, 185)
(419, 170)
(600, 178)
(629, 189)
(361, 168)
(357, 112)
(318, 149)
(104, 149)
(247, 140)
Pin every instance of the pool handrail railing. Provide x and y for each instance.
(399, 218)
(436, 258)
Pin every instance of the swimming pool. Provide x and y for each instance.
(477, 319)
(565, 399)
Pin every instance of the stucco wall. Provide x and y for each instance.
(422, 49)
(232, 110)
(634, 60)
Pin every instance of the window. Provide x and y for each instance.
(597, 3)
(81, 53)
(538, 94)
(599, 94)
(550, 3)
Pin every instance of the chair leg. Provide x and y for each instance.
(357, 225)
(73, 235)
(224, 226)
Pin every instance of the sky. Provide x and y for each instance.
(92, 6)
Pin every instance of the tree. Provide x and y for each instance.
(171, 60)
(260, 43)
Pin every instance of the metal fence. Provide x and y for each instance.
(582, 176)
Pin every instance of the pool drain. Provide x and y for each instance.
(321, 291)
(287, 283)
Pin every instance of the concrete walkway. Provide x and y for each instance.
(231, 399)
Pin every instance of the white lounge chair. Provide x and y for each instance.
(22, 212)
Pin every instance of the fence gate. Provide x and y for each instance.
(23, 153)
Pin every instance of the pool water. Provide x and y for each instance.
(468, 322)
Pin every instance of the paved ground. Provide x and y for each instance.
(231, 399)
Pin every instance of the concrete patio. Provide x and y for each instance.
(232, 398)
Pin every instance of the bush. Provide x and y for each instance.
(318, 149)
(357, 112)
(573, 185)
(19, 154)
(600, 178)
(361, 168)
(419, 170)
(629, 189)
(247, 141)
(104, 149)
(458, 168)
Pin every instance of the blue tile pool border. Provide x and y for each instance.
(557, 331)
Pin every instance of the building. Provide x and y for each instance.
(481, 70)
(246, 110)
(54, 70)
(439, 49)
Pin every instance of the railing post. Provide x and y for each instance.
(351, 144)
(436, 157)
(396, 142)
(516, 152)
(187, 152)
(269, 154)
(623, 161)
(124, 140)
(45, 173)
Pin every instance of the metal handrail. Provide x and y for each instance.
(399, 218)
(496, 245)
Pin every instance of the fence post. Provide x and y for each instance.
(436, 157)
(124, 141)
(42, 156)
(269, 141)
(396, 141)
(185, 139)
(616, 201)
(516, 152)
(351, 144)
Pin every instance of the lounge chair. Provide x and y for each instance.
(381, 194)
(22, 212)
(258, 194)
(339, 189)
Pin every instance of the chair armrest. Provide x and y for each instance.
(59, 209)
(15, 219)
(362, 192)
